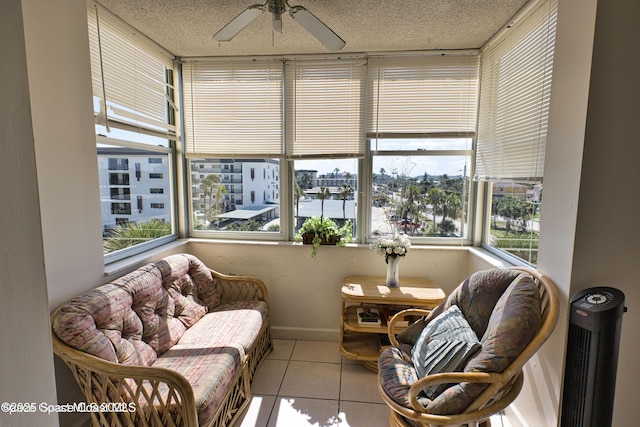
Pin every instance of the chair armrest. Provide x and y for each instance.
(159, 394)
(447, 378)
(477, 410)
(239, 288)
(391, 323)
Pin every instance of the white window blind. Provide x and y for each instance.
(514, 98)
(325, 104)
(129, 74)
(423, 96)
(233, 107)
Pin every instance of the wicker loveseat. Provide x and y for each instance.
(173, 343)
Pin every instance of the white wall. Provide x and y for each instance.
(62, 108)
(607, 233)
(26, 368)
(64, 139)
(305, 292)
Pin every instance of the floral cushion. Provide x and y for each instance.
(445, 345)
(139, 316)
(396, 373)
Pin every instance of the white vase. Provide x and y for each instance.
(393, 272)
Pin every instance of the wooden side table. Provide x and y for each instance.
(361, 342)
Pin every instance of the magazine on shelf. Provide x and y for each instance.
(388, 311)
(368, 316)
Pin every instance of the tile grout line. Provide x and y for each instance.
(275, 402)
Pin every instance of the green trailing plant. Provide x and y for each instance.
(324, 231)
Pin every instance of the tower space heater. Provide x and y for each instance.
(592, 357)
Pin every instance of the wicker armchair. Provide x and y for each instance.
(492, 377)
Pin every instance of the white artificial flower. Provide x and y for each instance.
(396, 245)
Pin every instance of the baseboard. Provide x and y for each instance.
(289, 333)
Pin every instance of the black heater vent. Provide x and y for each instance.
(592, 357)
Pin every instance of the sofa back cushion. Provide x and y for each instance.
(190, 284)
(141, 315)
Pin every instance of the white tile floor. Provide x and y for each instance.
(309, 383)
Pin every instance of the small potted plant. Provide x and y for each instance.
(318, 231)
(323, 231)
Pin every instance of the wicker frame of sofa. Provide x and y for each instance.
(105, 386)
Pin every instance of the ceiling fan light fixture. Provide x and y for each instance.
(277, 23)
(277, 8)
(301, 15)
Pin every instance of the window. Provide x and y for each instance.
(233, 135)
(512, 130)
(413, 117)
(133, 91)
(118, 179)
(422, 116)
(121, 208)
(118, 164)
(118, 186)
(421, 195)
(340, 179)
(223, 198)
(119, 193)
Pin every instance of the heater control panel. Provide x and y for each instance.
(596, 299)
(599, 298)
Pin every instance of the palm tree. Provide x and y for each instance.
(451, 205)
(409, 207)
(220, 191)
(345, 192)
(207, 185)
(435, 197)
(323, 194)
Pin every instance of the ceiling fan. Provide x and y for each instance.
(301, 15)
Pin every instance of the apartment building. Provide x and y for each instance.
(134, 186)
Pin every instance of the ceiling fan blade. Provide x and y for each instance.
(236, 25)
(317, 28)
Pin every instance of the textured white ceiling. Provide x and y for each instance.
(185, 27)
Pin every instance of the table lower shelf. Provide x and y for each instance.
(360, 346)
